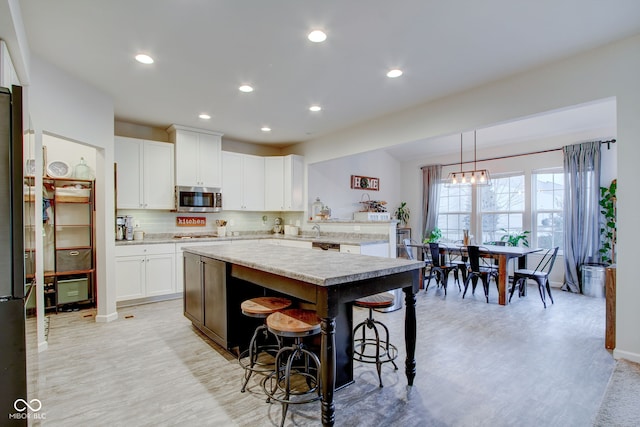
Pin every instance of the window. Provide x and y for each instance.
(548, 195)
(502, 207)
(454, 212)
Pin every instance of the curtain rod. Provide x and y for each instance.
(609, 142)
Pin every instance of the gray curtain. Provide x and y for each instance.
(581, 210)
(431, 177)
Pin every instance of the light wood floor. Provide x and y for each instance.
(478, 365)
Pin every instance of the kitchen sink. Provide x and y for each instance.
(195, 236)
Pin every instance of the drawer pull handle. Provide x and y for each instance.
(74, 253)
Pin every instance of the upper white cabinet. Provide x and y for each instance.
(145, 174)
(283, 180)
(274, 183)
(198, 156)
(242, 182)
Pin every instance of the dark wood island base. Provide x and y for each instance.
(329, 280)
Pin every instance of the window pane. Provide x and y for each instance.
(548, 209)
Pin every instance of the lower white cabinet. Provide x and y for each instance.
(145, 271)
(377, 249)
(290, 243)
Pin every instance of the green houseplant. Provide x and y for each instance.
(434, 236)
(514, 239)
(608, 230)
(403, 213)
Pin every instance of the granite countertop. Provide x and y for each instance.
(339, 238)
(308, 265)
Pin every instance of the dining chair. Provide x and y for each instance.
(426, 257)
(458, 257)
(540, 274)
(441, 268)
(479, 268)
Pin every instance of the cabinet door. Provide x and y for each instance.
(293, 183)
(193, 303)
(186, 145)
(130, 277)
(232, 181)
(253, 183)
(210, 160)
(215, 297)
(158, 176)
(160, 274)
(274, 183)
(128, 157)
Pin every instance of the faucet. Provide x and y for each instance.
(317, 228)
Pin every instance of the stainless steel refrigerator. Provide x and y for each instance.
(13, 360)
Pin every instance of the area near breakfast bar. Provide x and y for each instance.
(328, 280)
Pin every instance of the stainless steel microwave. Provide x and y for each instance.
(198, 199)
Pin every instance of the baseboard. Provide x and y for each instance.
(101, 318)
(621, 354)
(148, 300)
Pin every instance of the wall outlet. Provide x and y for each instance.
(232, 223)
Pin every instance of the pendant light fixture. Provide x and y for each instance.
(479, 177)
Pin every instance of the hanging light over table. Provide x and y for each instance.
(474, 177)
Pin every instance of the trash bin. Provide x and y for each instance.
(593, 276)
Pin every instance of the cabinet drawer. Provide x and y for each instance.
(138, 250)
(73, 290)
(73, 259)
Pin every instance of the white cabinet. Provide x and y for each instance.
(145, 178)
(242, 182)
(290, 243)
(198, 156)
(284, 183)
(377, 249)
(145, 271)
(180, 259)
(274, 183)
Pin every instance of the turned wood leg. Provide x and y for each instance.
(328, 370)
(410, 326)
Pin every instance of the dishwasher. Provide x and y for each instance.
(397, 293)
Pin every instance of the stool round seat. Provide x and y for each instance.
(368, 344)
(382, 300)
(296, 377)
(294, 322)
(264, 344)
(261, 307)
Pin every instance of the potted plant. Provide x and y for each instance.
(608, 230)
(514, 239)
(434, 236)
(403, 213)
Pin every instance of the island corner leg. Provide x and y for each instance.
(328, 370)
(410, 330)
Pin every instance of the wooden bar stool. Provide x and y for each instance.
(249, 359)
(296, 378)
(372, 349)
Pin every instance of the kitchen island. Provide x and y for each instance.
(330, 281)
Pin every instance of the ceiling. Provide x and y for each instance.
(204, 50)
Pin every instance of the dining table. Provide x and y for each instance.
(500, 253)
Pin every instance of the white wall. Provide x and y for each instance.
(609, 71)
(331, 181)
(63, 106)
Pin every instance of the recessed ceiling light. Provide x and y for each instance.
(317, 36)
(245, 88)
(144, 59)
(396, 72)
(204, 116)
(315, 108)
(265, 129)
